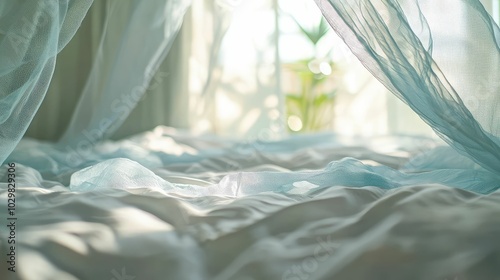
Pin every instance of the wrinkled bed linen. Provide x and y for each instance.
(169, 205)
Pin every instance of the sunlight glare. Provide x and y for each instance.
(295, 123)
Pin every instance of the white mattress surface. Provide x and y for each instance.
(222, 216)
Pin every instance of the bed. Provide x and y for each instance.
(187, 220)
(170, 204)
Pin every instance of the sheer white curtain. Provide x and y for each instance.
(237, 84)
(234, 69)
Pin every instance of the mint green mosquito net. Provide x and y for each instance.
(32, 33)
(432, 64)
(448, 73)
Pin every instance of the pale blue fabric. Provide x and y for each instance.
(432, 63)
(31, 35)
(140, 36)
(33, 32)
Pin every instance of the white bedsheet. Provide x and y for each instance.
(155, 232)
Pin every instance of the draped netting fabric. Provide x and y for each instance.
(127, 59)
(31, 35)
(433, 64)
(417, 53)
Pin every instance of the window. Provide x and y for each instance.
(265, 61)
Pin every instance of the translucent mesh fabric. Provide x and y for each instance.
(441, 58)
(137, 37)
(31, 35)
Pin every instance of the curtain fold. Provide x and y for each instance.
(127, 60)
(446, 72)
(234, 70)
(32, 33)
(162, 103)
(70, 75)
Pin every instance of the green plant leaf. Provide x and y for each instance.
(294, 98)
(325, 97)
(319, 100)
(294, 104)
(323, 27)
(315, 33)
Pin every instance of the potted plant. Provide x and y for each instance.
(310, 104)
